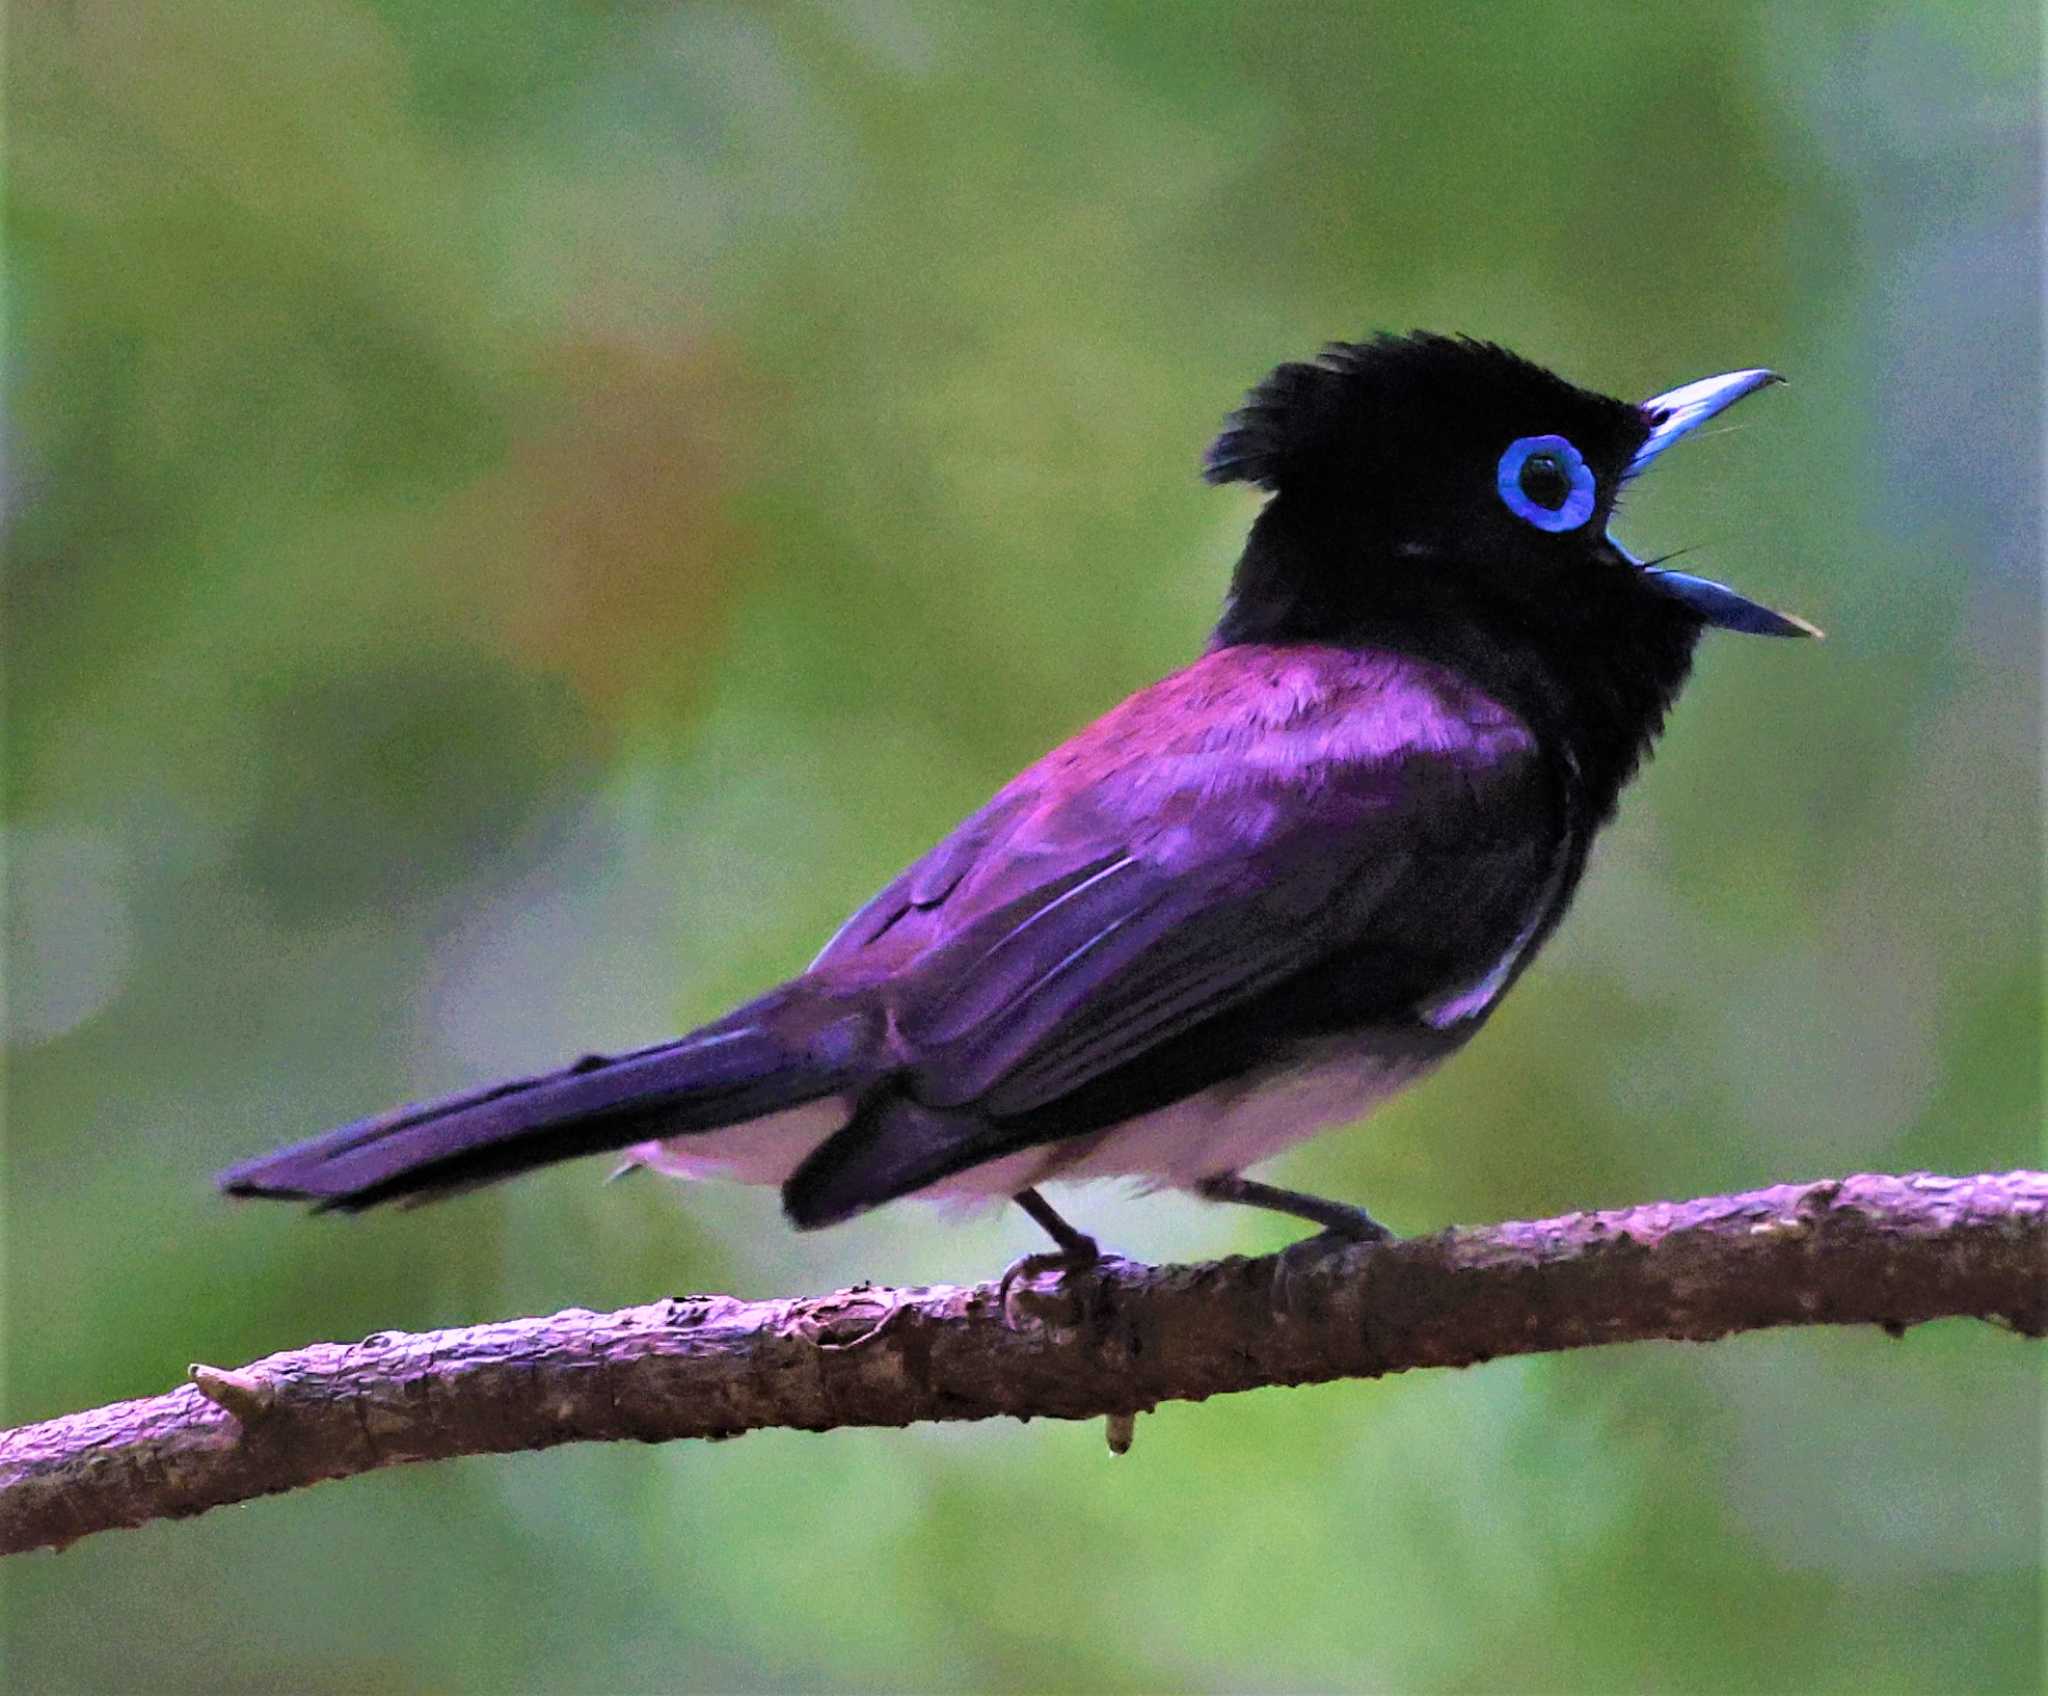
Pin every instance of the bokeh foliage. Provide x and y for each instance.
(523, 514)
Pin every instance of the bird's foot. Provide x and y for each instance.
(1077, 1252)
(1304, 1281)
(1300, 1290)
(1021, 1301)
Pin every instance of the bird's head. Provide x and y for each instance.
(1436, 478)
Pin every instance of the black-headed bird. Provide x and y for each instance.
(1250, 902)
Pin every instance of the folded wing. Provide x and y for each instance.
(1216, 843)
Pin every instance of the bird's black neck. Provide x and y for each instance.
(1593, 674)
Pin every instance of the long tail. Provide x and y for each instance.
(725, 1074)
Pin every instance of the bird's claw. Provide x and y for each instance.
(1294, 1265)
(1081, 1256)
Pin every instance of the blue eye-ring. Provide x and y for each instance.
(1544, 482)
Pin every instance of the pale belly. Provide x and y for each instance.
(1225, 1129)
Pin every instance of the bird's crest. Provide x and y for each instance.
(1383, 400)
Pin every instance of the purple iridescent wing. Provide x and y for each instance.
(1216, 835)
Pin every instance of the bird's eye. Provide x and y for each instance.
(1544, 482)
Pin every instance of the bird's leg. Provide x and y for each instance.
(1077, 1250)
(1337, 1217)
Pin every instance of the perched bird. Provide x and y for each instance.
(1250, 902)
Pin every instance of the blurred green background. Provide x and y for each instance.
(523, 514)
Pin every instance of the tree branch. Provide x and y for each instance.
(1891, 1251)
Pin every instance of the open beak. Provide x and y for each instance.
(1673, 416)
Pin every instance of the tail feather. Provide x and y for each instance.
(724, 1075)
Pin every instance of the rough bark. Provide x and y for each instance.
(1116, 1341)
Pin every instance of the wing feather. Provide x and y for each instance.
(1231, 829)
